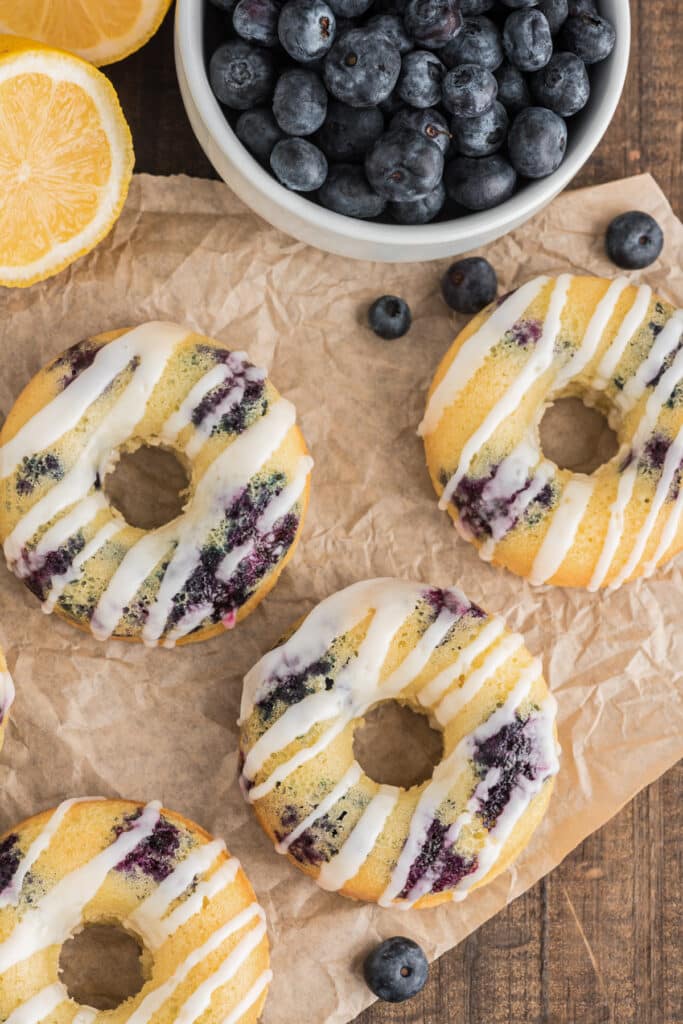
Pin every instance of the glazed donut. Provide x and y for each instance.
(617, 347)
(158, 876)
(158, 384)
(436, 652)
(6, 695)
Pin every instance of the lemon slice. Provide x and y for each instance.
(66, 159)
(100, 31)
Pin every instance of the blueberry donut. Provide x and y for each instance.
(441, 655)
(614, 345)
(6, 695)
(158, 876)
(158, 384)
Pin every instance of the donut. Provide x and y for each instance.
(619, 348)
(156, 875)
(437, 653)
(157, 384)
(6, 695)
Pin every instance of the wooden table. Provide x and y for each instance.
(600, 939)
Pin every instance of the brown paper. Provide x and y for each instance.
(122, 720)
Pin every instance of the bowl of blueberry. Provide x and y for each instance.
(400, 130)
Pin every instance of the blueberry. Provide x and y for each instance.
(392, 104)
(419, 83)
(433, 23)
(469, 285)
(469, 90)
(348, 132)
(476, 6)
(298, 165)
(527, 41)
(404, 165)
(589, 36)
(362, 68)
(347, 191)
(420, 211)
(562, 85)
(478, 43)
(556, 11)
(393, 28)
(350, 8)
(513, 91)
(537, 142)
(241, 75)
(299, 102)
(258, 131)
(634, 240)
(482, 135)
(480, 184)
(428, 122)
(518, 4)
(581, 7)
(390, 317)
(396, 970)
(256, 21)
(306, 29)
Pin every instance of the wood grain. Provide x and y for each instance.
(598, 940)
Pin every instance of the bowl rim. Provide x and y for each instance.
(189, 26)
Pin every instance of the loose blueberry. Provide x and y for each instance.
(537, 142)
(349, 132)
(362, 68)
(634, 240)
(581, 7)
(482, 135)
(258, 130)
(478, 43)
(396, 970)
(350, 8)
(390, 317)
(299, 102)
(562, 85)
(513, 91)
(306, 29)
(420, 211)
(393, 28)
(476, 6)
(392, 104)
(589, 36)
(519, 4)
(429, 123)
(469, 90)
(419, 83)
(404, 165)
(433, 23)
(556, 11)
(298, 165)
(527, 41)
(256, 21)
(347, 191)
(480, 184)
(241, 75)
(469, 285)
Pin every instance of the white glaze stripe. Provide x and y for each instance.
(453, 702)
(414, 663)
(543, 475)
(86, 1015)
(313, 709)
(436, 687)
(66, 526)
(58, 584)
(299, 759)
(12, 891)
(204, 430)
(595, 330)
(153, 1002)
(7, 695)
(251, 997)
(472, 355)
(629, 326)
(205, 891)
(669, 534)
(537, 364)
(347, 782)
(54, 917)
(39, 1006)
(665, 343)
(137, 564)
(182, 417)
(348, 861)
(562, 531)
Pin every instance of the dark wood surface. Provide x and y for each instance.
(600, 939)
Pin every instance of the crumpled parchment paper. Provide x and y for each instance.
(122, 720)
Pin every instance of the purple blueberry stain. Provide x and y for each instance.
(446, 867)
(293, 687)
(479, 512)
(524, 333)
(75, 360)
(10, 858)
(153, 856)
(514, 751)
(38, 573)
(36, 468)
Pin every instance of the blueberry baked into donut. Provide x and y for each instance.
(619, 348)
(159, 877)
(432, 650)
(158, 384)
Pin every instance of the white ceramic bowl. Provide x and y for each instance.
(346, 236)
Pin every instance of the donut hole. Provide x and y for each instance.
(102, 966)
(396, 746)
(575, 435)
(148, 485)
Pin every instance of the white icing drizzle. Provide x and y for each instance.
(347, 782)
(629, 326)
(665, 343)
(472, 355)
(456, 700)
(58, 534)
(562, 531)
(597, 326)
(53, 918)
(669, 534)
(538, 363)
(501, 525)
(437, 687)
(12, 891)
(58, 584)
(39, 1006)
(7, 695)
(350, 858)
(252, 996)
(86, 1015)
